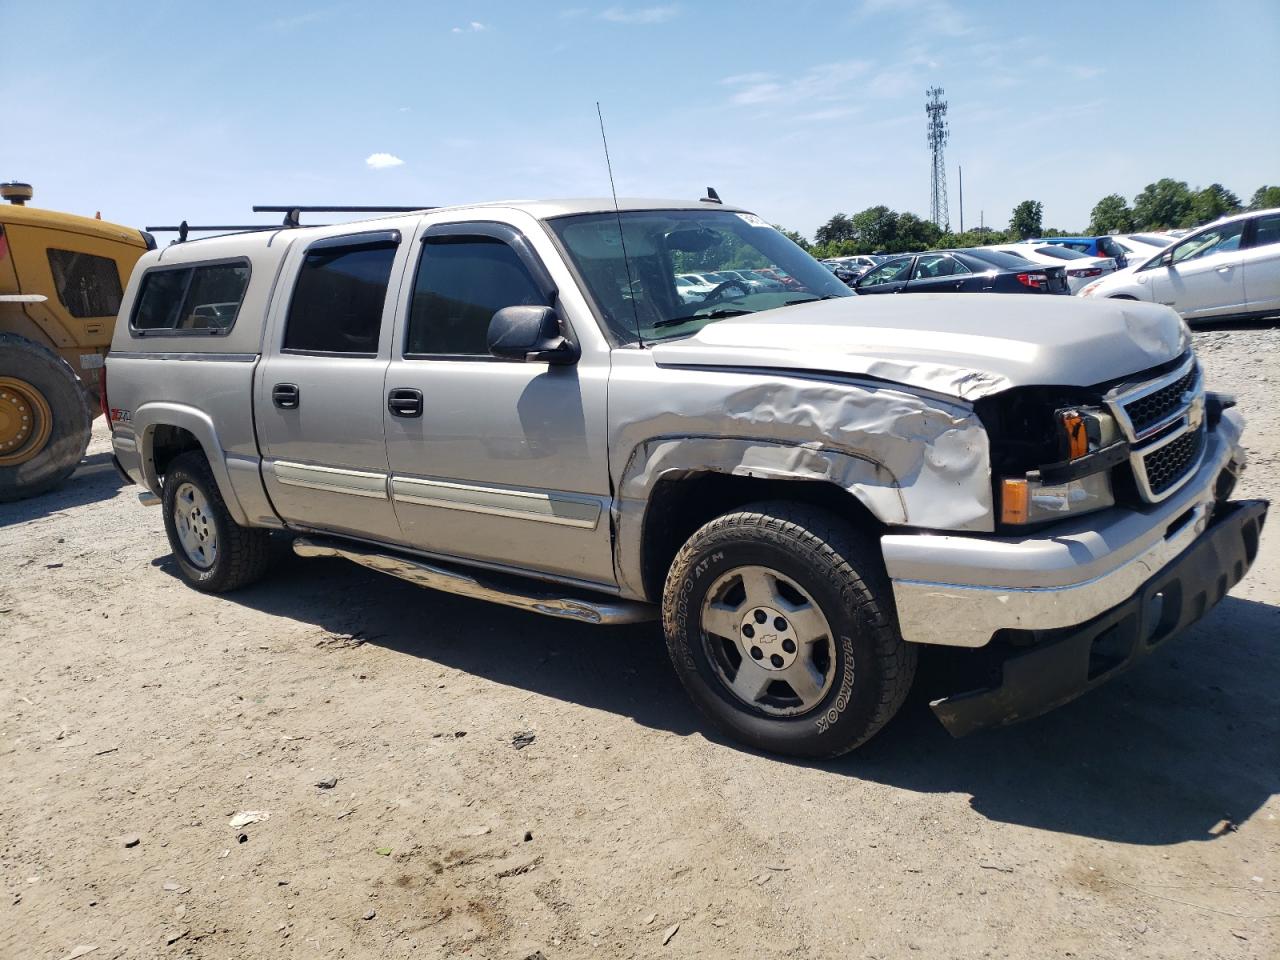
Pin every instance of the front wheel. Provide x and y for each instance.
(780, 624)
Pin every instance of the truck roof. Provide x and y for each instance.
(539, 209)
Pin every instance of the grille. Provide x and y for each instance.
(1146, 412)
(1169, 464)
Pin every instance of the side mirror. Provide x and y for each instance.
(530, 333)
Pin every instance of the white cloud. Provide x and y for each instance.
(825, 82)
(475, 26)
(380, 161)
(640, 14)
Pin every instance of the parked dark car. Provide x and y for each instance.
(962, 271)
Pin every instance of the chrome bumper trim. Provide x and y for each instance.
(959, 590)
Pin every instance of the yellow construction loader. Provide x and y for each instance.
(61, 280)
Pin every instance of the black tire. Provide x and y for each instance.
(70, 417)
(844, 575)
(242, 553)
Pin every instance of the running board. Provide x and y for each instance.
(607, 612)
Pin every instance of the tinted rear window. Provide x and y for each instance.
(1062, 253)
(1005, 261)
(199, 299)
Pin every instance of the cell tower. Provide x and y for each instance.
(936, 108)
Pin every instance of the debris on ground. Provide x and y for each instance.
(247, 817)
(328, 783)
(671, 932)
(132, 840)
(522, 739)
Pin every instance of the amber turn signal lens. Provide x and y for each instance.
(1014, 496)
(1077, 435)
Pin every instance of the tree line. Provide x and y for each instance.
(1164, 205)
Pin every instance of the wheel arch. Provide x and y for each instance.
(165, 430)
(679, 504)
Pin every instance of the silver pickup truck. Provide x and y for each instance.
(518, 402)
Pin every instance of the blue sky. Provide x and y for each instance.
(154, 112)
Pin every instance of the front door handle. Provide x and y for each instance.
(286, 396)
(404, 402)
(1227, 269)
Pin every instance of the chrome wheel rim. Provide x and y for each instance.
(768, 641)
(197, 533)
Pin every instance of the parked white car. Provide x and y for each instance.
(1141, 246)
(1227, 270)
(1082, 269)
(692, 288)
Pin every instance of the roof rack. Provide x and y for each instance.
(292, 218)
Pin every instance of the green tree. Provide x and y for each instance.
(1111, 213)
(1162, 205)
(1027, 219)
(1209, 204)
(876, 228)
(795, 237)
(839, 228)
(1264, 198)
(915, 233)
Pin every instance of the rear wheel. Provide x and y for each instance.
(214, 553)
(780, 624)
(44, 419)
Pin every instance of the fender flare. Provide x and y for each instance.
(199, 424)
(868, 481)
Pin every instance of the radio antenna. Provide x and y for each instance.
(626, 261)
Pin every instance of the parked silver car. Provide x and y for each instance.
(510, 402)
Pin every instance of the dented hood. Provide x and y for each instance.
(962, 345)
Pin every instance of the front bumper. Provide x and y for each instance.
(1055, 666)
(961, 590)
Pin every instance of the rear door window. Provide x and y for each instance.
(937, 265)
(87, 285)
(203, 298)
(338, 298)
(1266, 230)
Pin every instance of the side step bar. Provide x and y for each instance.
(602, 611)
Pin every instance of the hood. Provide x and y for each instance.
(966, 345)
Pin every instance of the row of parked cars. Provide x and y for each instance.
(1227, 269)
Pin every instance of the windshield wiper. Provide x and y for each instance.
(713, 315)
(825, 296)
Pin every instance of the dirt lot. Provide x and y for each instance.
(137, 718)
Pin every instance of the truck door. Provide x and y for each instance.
(495, 460)
(318, 392)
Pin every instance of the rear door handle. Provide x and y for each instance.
(404, 402)
(286, 396)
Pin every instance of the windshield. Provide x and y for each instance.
(641, 291)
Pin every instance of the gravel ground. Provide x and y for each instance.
(512, 786)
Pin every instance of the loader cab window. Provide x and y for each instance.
(87, 285)
(338, 298)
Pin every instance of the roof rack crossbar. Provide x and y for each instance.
(283, 208)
